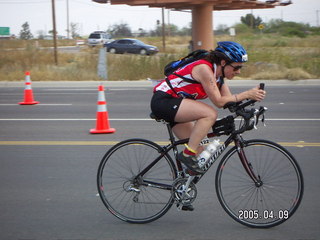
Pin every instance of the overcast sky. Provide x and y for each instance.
(92, 16)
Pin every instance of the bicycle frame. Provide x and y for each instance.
(233, 138)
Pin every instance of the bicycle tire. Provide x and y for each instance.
(270, 204)
(130, 201)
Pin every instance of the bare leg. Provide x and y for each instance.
(183, 130)
(203, 116)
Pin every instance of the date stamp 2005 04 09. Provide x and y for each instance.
(265, 214)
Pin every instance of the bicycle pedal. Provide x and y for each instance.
(187, 207)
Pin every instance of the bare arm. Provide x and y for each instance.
(204, 75)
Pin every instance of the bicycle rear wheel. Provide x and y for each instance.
(136, 199)
(263, 206)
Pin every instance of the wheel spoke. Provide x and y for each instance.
(281, 189)
(124, 193)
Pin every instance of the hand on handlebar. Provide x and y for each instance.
(256, 94)
(240, 109)
(259, 92)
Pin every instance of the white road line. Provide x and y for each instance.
(95, 89)
(70, 89)
(47, 119)
(49, 93)
(73, 119)
(40, 104)
(133, 119)
(127, 89)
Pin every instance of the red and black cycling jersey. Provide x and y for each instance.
(187, 89)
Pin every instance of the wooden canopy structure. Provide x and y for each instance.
(190, 4)
(202, 17)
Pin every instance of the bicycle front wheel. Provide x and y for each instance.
(126, 194)
(260, 205)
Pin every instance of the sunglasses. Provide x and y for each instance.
(235, 68)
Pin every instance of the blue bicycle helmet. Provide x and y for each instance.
(233, 51)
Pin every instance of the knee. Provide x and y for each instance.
(212, 115)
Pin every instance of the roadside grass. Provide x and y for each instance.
(270, 57)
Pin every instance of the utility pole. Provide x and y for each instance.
(317, 12)
(163, 31)
(68, 25)
(54, 32)
(169, 26)
(251, 19)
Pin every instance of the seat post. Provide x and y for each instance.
(174, 147)
(171, 135)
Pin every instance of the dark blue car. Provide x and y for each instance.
(128, 45)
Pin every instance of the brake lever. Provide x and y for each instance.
(260, 112)
(263, 120)
(255, 118)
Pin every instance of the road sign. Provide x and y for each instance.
(4, 31)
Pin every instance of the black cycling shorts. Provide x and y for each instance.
(164, 106)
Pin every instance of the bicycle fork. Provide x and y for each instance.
(246, 164)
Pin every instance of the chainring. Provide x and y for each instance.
(183, 195)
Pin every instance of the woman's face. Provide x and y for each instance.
(232, 69)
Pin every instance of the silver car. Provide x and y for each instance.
(99, 38)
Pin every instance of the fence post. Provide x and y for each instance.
(102, 64)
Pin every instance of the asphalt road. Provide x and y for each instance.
(49, 161)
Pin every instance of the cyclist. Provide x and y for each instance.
(175, 100)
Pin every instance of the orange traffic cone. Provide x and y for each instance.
(28, 94)
(102, 123)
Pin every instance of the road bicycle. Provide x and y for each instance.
(258, 182)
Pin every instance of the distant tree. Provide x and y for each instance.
(222, 29)
(74, 30)
(243, 28)
(170, 29)
(142, 32)
(157, 31)
(25, 32)
(315, 30)
(185, 31)
(251, 21)
(120, 30)
(41, 34)
(51, 32)
(287, 28)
